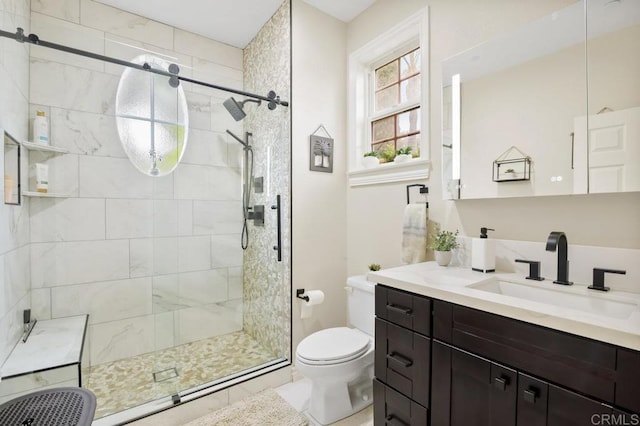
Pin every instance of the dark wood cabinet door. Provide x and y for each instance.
(402, 360)
(628, 380)
(532, 401)
(566, 408)
(479, 392)
(405, 309)
(440, 384)
(391, 408)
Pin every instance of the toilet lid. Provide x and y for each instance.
(333, 344)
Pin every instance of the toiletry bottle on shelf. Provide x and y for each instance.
(41, 129)
(483, 252)
(42, 177)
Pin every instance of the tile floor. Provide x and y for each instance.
(127, 383)
(297, 395)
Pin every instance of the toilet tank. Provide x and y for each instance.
(361, 303)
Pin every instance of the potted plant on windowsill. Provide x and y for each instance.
(387, 153)
(442, 244)
(403, 154)
(370, 159)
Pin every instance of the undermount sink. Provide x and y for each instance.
(562, 297)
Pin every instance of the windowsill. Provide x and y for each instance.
(390, 172)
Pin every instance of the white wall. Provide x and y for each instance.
(319, 199)
(374, 215)
(14, 220)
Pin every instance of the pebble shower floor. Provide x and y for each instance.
(126, 383)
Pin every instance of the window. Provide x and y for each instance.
(388, 104)
(396, 93)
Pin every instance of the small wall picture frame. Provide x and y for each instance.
(321, 152)
(11, 170)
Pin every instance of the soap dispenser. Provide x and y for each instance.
(483, 252)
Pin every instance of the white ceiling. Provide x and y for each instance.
(234, 22)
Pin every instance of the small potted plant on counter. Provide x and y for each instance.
(370, 159)
(442, 244)
(373, 268)
(403, 154)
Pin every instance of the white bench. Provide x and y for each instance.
(51, 356)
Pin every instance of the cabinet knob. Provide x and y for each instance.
(394, 421)
(530, 395)
(500, 383)
(404, 361)
(401, 309)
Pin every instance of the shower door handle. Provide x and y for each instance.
(278, 246)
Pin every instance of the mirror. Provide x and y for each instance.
(551, 108)
(11, 170)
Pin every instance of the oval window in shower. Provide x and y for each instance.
(152, 118)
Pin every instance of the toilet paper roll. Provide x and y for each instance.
(316, 297)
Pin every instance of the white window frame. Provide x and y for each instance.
(410, 33)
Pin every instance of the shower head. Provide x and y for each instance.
(235, 108)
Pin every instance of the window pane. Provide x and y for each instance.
(387, 98)
(410, 64)
(410, 89)
(413, 142)
(383, 129)
(387, 75)
(409, 122)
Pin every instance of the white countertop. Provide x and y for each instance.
(451, 284)
(52, 343)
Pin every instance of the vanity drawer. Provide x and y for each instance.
(576, 362)
(403, 308)
(402, 360)
(628, 380)
(394, 409)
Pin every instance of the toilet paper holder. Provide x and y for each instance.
(300, 294)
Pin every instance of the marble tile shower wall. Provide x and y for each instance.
(14, 220)
(156, 262)
(267, 294)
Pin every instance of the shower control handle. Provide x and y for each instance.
(257, 215)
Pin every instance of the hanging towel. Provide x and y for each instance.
(414, 233)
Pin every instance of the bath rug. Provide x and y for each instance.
(264, 409)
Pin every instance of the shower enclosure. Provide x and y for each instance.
(175, 304)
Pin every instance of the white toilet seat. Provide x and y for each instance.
(333, 346)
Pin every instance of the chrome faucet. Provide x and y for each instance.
(558, 240)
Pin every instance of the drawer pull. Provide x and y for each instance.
(404, 361)
(530, 395)
(500, 383)
(401, 309)
(394, 421)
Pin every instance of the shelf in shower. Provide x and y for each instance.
(44, 194)
(32, 146)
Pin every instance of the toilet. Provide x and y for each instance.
(339, 361)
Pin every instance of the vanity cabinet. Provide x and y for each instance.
(402, 358)
(471, 390)
(470, 367)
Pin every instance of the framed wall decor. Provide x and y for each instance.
(321, 152)
(11, 170)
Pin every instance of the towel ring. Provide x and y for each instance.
(423, 190)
